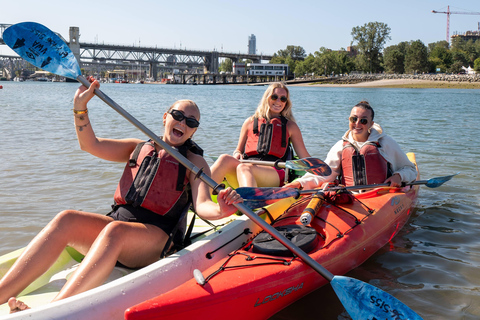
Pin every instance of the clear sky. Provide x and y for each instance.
(226, 25)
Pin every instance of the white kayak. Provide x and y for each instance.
(127, 287)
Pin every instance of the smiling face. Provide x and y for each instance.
(177, 132)
(277, 106)
(360, 131)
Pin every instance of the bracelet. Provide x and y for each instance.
(80, 111)
(235, 152)
(80, 128)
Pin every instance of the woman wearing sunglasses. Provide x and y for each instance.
(264, 136)
(144, 214)
(364, 155)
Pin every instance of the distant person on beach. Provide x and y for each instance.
(364, 155)
(265, 136)
(137, 230)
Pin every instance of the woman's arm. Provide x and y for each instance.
(202, 201)
(401, 165)
(108, 149)
(242, 140)
(297, 140)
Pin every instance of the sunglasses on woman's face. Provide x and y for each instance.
(275, 97)
(179, 116)
(363, 121)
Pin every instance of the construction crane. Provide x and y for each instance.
(448, 13)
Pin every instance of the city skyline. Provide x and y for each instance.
(225, 26)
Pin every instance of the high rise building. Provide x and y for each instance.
(252, 44)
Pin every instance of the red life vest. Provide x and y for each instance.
(270, 142)
(155, 180)
(364, 166)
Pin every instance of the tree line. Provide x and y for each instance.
(368, 54)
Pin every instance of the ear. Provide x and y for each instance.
(164, 118)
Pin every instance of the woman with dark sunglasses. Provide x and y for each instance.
(364, 155)
(265, 136)
(152, 193)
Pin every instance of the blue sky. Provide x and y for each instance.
(226, 25)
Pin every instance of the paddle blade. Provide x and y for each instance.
(438, 181)
(364, 301)
(312, 165)
(43, 48)
(261, 194)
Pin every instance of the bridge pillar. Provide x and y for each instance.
(211, 63)
(152, 73)
(74, 43)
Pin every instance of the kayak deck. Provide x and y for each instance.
(262, 284)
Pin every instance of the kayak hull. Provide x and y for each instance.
(125, 286)
(252, 285)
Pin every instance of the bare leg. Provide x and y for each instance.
(74, 228)
(133, 244)
(225, 167)
(251, 175)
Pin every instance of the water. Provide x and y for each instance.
(433, 265)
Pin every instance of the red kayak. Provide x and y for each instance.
(262, 277)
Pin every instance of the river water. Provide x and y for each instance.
(433, 265)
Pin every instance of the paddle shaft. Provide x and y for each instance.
(265, 163)
(211, 183)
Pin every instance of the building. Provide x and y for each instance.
(267, 69)
(469, 35)
(239, 68)
(252, 44)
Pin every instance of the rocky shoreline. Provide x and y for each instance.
(357, 78)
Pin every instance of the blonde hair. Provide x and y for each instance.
(263, 107)
(190, 102)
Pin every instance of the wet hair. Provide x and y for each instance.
(263, 107)
(190, 102)
(365, 105)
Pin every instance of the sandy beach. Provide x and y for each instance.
(404, 83)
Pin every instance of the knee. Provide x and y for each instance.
(65, 217)
(115, 230)
(226, 160)
(244, 168)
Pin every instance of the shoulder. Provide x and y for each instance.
(196, 159)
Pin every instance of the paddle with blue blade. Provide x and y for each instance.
(44, 49)
(311, 165)
(260, 197)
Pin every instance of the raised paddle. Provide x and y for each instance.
(260, 197)
(311, 165)
(44, 49)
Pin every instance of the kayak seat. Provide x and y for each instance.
(306, 238)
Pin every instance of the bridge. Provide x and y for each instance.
(96, 57)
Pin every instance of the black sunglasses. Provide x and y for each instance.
(363, 121)
(275, 97)
(179, 116)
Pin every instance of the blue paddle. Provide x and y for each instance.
(44, 49)
(261, 197)
(311, 165)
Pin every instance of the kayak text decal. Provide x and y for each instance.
(396, 201)
(385, 307)
(277, 295)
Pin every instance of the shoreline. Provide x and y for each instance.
(399, 83)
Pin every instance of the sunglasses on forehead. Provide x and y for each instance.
(275, 97)
(363, 121)
(179, 116)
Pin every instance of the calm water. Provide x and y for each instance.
(433, 265)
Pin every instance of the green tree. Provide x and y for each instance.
(439, 56)
(476, 65)
(394, 60)
(416, 58)
(291, 56)
(369, 40)
(226, 65)
(305, 66)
